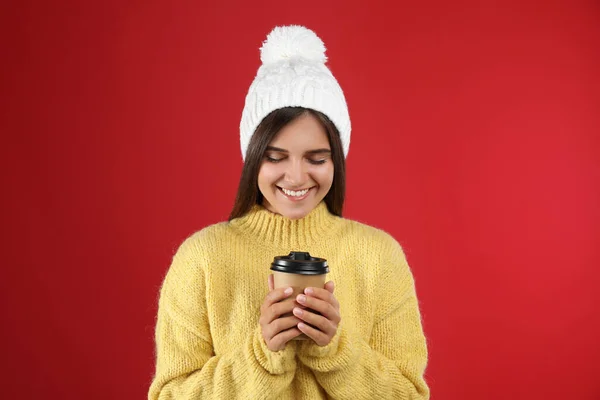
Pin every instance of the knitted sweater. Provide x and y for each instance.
(209, 343)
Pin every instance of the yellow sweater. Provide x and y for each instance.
(208, 340)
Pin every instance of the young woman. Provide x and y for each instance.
(222, 331)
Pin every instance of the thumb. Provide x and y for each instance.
(330, 287)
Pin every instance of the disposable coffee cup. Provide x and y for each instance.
(299, 270)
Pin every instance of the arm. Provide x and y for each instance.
(391, 363)
(186, 366)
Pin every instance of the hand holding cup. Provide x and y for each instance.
(299, 271)
(321, 326)
(277, 327)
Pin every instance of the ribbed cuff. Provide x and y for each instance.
(275, 362)
(337, 354)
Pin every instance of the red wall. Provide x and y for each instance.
(476, 143)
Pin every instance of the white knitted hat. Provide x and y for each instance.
(293, 74)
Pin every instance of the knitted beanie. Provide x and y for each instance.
(293, 74)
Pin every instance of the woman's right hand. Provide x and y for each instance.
(277, 330)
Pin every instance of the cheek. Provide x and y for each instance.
(324, 177)
(267, 175)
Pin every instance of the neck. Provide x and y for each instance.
(269, 228)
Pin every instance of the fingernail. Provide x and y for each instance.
(301, 298)
(301, 326)
(297, 311)
(309, 290)
(288, 290)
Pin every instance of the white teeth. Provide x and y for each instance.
(294, 193)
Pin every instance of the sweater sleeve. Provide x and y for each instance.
(391, 363)
(186, 365)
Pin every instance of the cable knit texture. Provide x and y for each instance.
(293, 74)
(208, 340)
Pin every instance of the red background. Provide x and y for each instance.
(476, 143)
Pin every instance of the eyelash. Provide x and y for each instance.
(276, 160)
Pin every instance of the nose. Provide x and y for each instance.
(296, 174)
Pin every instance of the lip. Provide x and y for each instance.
(291, 198)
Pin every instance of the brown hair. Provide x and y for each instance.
(248, 193)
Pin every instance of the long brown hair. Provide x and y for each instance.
(248, 193)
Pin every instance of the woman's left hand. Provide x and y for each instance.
(324, 302)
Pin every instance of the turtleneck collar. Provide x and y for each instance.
(267, 227)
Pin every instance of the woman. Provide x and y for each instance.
(222, 331)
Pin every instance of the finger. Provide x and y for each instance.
(319, 337)
(281, 324)
(323, 307)
(318, 321)
(330, 287)
(276, 295)
(322, 294)
(277, 310)
(279, 341)
(270, 281)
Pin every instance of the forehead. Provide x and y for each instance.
(303, 134)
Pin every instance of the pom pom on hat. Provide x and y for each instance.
(288, 42)
(293, 74)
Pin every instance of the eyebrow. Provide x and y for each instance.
(280, 150)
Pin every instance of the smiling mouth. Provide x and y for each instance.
(295, 194)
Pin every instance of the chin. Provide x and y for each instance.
(295, 213)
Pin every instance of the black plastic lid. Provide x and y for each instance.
(300, 262)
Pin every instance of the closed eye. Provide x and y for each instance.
(273, 159)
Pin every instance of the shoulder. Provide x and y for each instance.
(207, 235)
(385, 255)
(189, 260)
(200, 244)
(383, 252)
(206, 239)
(368, 234)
